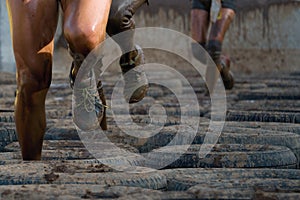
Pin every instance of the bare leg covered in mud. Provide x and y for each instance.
(121, 21)
(33, 25)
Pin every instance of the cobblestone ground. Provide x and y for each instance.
(257, 155)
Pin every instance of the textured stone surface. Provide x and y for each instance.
(263, 132)
(228, 156)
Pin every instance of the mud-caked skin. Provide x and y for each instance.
(121, 20)
(136, 83)
(226, 74)
(33, 25)
(84, 28)
(212, 41)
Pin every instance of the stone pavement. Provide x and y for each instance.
(257, 155)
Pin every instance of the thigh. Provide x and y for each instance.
(133, 5)
(33, 25)
(199, 24)
(121, 15)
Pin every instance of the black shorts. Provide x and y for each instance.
(205, 4)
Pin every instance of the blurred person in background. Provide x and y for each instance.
(210, 19)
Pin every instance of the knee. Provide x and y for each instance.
(120, 21)
(83, 39)
(229, 14)
(34, 71)
(219, 29)
(31, 95)
(29, 86)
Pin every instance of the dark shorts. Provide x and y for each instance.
(205, 4)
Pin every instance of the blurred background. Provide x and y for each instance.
(264, 35)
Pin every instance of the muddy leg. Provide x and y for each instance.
(121, 20)
(33, 24)
(85, 28)
(214, 48)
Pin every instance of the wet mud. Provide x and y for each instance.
(257, 153)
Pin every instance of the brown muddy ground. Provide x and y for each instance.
(257, 156)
